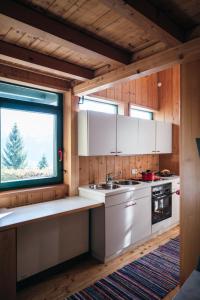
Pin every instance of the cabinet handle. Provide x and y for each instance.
(119, 151)
(132, 204)
(154, 151)
(113, 152)
(158, 151)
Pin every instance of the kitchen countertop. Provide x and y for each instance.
(34, 212)
(123, 189)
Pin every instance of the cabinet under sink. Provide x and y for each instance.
(125, 220)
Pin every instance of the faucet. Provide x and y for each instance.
(109, 178)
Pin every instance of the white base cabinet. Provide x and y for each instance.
(175, 202)
(141, 227)
(119, 219)
(120, 224)
(44, 244)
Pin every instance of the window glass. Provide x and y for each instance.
(16, 92)
(141, 114)
(87, 104)
(31, 143)
(28, 149)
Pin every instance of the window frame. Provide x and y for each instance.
(40, 108)
(101, 101)
(142, 109)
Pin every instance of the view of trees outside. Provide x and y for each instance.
(27, 145)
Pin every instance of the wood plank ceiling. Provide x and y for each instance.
(81, 39)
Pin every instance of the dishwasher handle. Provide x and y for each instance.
(132, 203)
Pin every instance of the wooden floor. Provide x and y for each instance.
(85, 273)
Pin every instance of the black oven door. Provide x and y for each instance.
(161, 208)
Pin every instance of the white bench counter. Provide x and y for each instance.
(46, 210)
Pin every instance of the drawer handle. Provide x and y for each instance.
(132, 204)
(113, 152)
(119, 151)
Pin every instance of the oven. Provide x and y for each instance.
(161, 202)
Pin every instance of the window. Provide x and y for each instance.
(141, 113)
(31, 137)
(95, 105)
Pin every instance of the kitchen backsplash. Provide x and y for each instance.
(94, 169)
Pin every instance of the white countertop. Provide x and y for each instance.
(35, 212)
(122, 188)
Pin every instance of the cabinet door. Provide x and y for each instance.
(101, 133)
(163, 137)
(146, 138)
(47, 243)
(119, 219)
(175, 209)
(127, 135)
(141, 227)
(175, 202)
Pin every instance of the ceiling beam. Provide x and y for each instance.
(193, 33)
(152, 64)
(65, 34)
(15, 75)
(25, 57)
(146, 16)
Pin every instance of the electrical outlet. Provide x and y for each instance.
(134, 171)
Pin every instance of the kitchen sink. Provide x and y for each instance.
(127, 182)
(104, 186)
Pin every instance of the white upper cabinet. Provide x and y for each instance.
(163, 137)
(97, 133)
(146, 136)
(127, 135)
(109, 134)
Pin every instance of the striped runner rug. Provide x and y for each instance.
(150, 277)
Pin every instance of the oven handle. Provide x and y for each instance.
(166, 195)
(160, 198)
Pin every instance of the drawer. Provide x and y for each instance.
(141, 193)
(119, 198)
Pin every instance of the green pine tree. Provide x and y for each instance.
(14, 155)
(43, 162)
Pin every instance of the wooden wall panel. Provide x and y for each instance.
(169, 110)
(190, 168)
(21, 197)
(94, 169)
(70, 132)
(142, 92)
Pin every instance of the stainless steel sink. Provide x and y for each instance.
(127, 182)
(104, 186)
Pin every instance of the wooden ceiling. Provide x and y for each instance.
(77, 40)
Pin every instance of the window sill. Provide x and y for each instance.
(20, 197)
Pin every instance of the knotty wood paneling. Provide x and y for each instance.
(70, 159)
(142, 92)
(169, 111)
(94, 169)
(21, 197)
(190, 167)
